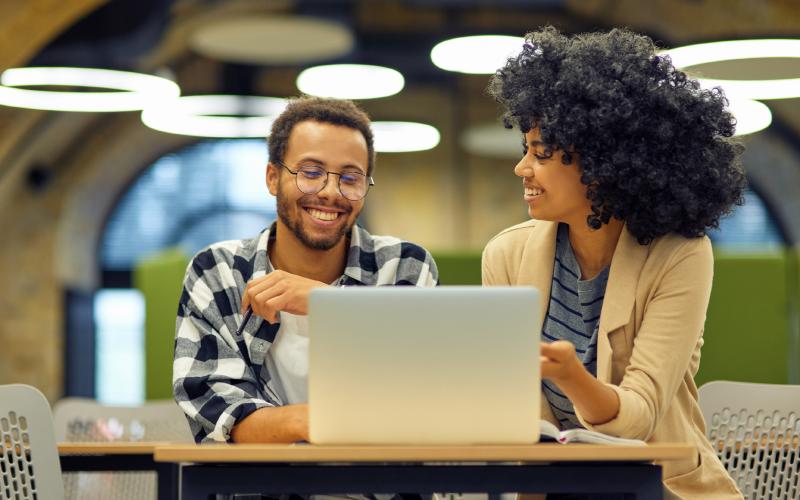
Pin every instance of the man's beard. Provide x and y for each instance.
(298, 228)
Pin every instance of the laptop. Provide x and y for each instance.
(424, 366)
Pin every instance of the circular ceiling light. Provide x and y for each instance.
(493, 140)
(404, 137)
(350, 81)
(215, 115)
(273, 40)
(751, 116)
(130, 91)
(704, 53)
(481, 54)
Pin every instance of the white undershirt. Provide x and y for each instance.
(287, 358)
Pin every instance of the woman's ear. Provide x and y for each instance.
(273, 179)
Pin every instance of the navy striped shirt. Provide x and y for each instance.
(573, 314)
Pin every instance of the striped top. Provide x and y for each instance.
(573, 314)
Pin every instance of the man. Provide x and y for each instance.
(252, 387)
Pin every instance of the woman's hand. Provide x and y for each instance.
(560, 363)
(596, 402)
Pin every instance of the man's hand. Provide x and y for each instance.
(560, 363)
(278, 291)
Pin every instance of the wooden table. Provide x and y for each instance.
(307, 469)
(120, 456)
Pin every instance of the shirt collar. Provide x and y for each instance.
(355, 272)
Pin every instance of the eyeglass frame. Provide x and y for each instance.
(370, 180)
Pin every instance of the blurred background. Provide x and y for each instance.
(99, 213)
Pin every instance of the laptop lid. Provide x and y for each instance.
(408, 365)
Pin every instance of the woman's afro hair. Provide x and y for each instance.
(655, 149)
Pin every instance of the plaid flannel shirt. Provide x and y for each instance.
(219, 378)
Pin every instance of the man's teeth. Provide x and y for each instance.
(319, 214)
(533, 191)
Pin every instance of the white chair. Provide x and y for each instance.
(86, 420)
(755, 430)
(29, 466)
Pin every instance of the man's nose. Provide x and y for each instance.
(331, 188)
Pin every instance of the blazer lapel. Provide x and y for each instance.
(626, 265)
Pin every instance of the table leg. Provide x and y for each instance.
(168, 480)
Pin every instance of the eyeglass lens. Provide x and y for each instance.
(352, 185)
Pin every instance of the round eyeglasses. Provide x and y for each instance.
(311, 179)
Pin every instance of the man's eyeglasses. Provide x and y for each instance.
(312, 179)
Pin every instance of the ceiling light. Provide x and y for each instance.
(350, 81)
(215, 115)
(482, 54)
(751, 116)
(274, 39)
(704, 53)
(136, 90)
(403, 137)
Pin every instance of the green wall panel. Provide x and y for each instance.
(747, 327)
(459, 268)
(160, 279)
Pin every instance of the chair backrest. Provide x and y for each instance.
(29, 465)
(755, 431)
(86, 420)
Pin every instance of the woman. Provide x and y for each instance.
(627, 164)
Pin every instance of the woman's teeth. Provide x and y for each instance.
(319, 214)
(533, 191)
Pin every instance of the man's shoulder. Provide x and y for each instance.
(384, 260)
(387, 247)
(229, 253)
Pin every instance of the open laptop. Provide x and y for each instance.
(416, 366)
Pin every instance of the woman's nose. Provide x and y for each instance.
(523, 169)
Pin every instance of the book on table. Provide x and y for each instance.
(550, 432)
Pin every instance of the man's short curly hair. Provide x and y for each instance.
(324, 110)
(655, 149)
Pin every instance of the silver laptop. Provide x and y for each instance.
(416, 366)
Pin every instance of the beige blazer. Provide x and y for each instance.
(649, 339)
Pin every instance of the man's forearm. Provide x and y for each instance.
(280, 424)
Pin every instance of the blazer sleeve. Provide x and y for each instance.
(494, 269)
(664, 343)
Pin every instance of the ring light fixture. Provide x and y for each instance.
(215, 115)
(480, 54)
(732, 50)
(404, 137)
(129, 91)
(350, 81)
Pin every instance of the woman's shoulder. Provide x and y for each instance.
(503, 253)
(510, 241)
(513, 235)
(676, 245)
(674, 252)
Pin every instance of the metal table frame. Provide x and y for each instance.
(633, 479)
(167, 473)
